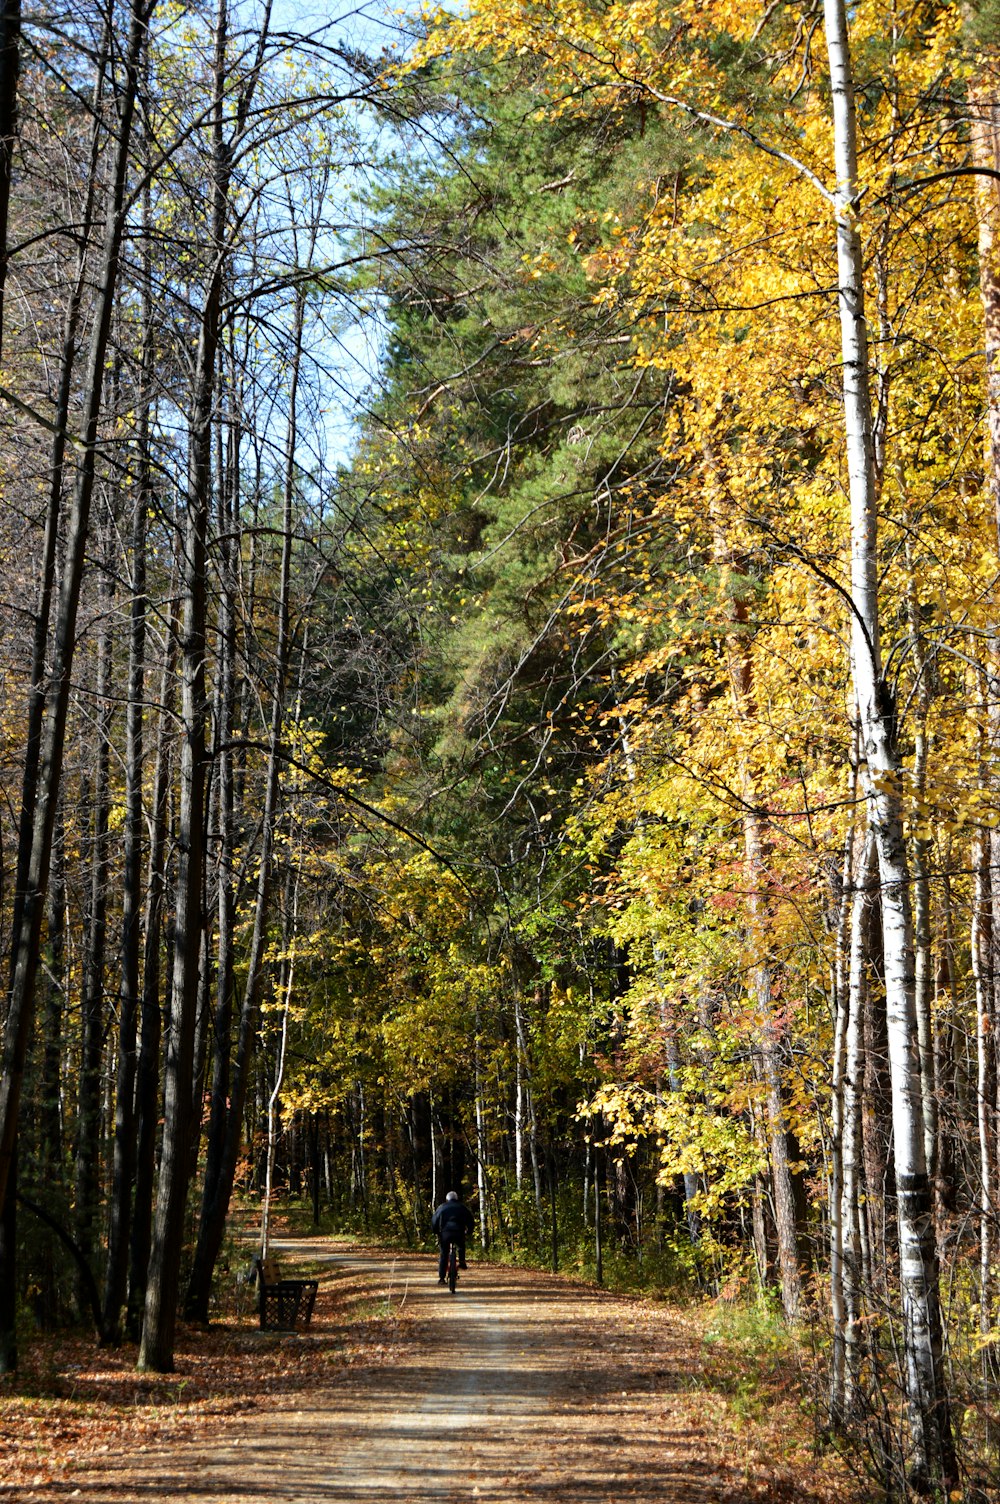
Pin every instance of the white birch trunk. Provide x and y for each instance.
(923, 980)
(587, 1170)
(480, 1145)
(981, 948)
(932, 1450)
(985, 141)
(518, 1093)
(362, 1164)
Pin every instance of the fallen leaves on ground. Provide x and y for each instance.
(712, 1401)
(71, 1402)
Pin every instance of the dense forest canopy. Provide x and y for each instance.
(582, 789)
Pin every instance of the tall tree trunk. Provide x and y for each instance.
(50, 1118)
(771, 1053)
(519, 1113)
(600, 1162)
(690, 1180)
(362, 1159)
(147, 1078)
(865, 884)
(932, 1453)
(10, 63)
(279, 1069)
(123, 1169)
(838, 1105)
(226, 894)
(484, 1225)
(985, 141)
(156, 1351)
(553, 1209)
(923, 968)
(125, 1147)
(8, 1268)
(226, 1126)
(984, 101)
(89, 1115)
(19, 1015)
(876, 1111)
(40, 819)
(981, 946)
(947, 1013)
(314, 1166)
(203, 1009)
(531, 1120)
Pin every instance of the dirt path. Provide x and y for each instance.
(518, 1389)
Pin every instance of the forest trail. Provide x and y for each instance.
(519, 1389)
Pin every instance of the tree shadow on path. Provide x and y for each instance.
(520, 1389)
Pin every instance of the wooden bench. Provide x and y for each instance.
(282, 1301)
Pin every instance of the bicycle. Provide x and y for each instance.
(452, 1267)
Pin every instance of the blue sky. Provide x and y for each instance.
(353, 355)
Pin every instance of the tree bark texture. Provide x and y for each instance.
(932, 1454)
(156, 1350)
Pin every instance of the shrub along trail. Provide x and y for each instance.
(522, 1387)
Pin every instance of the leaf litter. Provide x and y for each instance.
(637, 1399)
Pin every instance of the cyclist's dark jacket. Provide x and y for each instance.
(452, 1220)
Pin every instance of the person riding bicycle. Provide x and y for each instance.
(452, 1223)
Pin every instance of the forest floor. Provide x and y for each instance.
(521, 1388)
